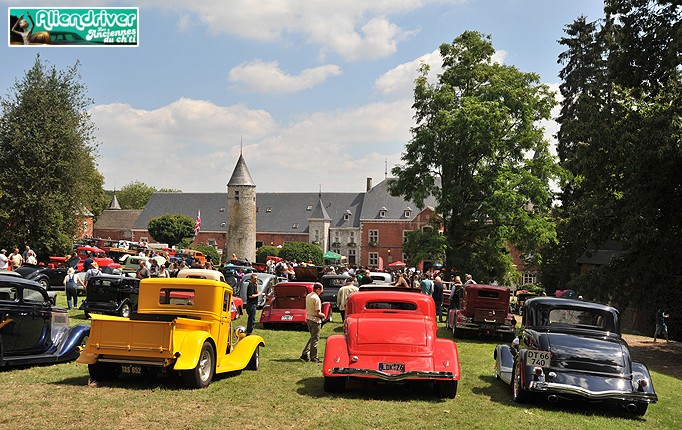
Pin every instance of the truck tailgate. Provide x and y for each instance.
(122, 337)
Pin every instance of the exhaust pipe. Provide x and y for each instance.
(552, 398)
(631, 407)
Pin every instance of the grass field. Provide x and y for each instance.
(287, 393)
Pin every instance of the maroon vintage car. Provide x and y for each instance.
(483, 309)
(286, 305)
(390, 335)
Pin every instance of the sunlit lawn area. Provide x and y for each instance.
(287, 393)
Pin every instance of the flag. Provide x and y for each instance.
(197, 225)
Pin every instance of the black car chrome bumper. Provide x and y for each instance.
(558, 388)
(371, 373)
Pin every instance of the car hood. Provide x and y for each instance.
(595, 354)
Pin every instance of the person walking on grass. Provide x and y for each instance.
(314, 315)
(661, 326)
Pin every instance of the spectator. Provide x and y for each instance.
(4, 261)
(71, 288)
(16, 260)
(469, 280)
(163, 273)
(31, 259)
(142, 272)
(87, 263)
(343, 294)
(314, 315)
(438, 297)
(252, 295)
(154, 269)
(456, 293)
(93, 271)
(661, 327)
(401, 281)
(25, 253)
(426, 286)
(366, 278)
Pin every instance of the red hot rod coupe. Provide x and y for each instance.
(390, 335)
(573, 350)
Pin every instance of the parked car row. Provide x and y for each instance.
(568, 349)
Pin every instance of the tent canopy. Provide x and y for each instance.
(397, 264)
(330, 255)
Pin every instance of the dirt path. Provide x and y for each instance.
(662, 356)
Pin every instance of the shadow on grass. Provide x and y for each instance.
(144, 382)
(368, 389)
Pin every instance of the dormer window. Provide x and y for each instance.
(408, 212)
(294, 226)
(268, 210)
(382, 212)
(346, 215)
(309, 208)
(222, 209)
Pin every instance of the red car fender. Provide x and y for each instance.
(335, 354)
(326, 310)
(446, 357)
(265, 315)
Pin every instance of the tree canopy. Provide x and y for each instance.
(302, 252)
(620, 139)
(171, 229)
(477, 148)
(136, 194)
(48, 175)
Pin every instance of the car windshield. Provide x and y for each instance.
(579, 317)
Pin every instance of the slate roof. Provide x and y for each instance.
(282, 212)
(378, 198)
(118, 219)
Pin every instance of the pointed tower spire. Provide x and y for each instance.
(114, 203)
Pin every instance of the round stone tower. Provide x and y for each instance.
(241, 213)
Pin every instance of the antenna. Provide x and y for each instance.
(319, 194)
(241, 144)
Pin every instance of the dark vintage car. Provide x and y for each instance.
(32, 329)
(265, 283)
(48, 277)
(111, 295)
(390, 335)
(331, 285)
(572, 349)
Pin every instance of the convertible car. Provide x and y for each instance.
(32, 330)
(111, 295)
(573, 350)
(390, 335)
(286, 305)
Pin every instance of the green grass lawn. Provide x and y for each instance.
(287, 393)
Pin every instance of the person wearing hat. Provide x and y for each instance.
(343, 294)
(4, 261)
(93, 271)
(71, 284)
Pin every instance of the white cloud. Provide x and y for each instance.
(268, 78)
(354, 29)
(193, 145)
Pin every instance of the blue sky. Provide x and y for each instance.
(318, 91)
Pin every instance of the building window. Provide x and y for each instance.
(316, 235)
(427, 228)
(337, 236)
(222, 224)
(529, 278)
(351, 237)
(236, 195)
(268, 210)
(373, 259)
(222, 209)
(144, 239)
(373, 237)
(408, 212)
(405, 232)
(294, 226)
(382, 213)
(211, 242)
(351, 257)
(309, 208)
(346, 215)
(259, 243)
(257, 208)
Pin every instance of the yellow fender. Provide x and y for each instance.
(190, 349)
(240, 356)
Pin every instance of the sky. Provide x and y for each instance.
(316, 93)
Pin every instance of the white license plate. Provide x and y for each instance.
(392, 367)
(131, 370)
(287, 317)
(538, 358)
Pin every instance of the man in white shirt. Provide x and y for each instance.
(342, 296)
(4, 260)
(314, 316)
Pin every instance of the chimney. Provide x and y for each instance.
(369, 184)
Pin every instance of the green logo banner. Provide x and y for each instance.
(57, 26)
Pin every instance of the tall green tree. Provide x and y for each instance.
(302, 252)
(426, 245)
(171, 229)
(475, 129)
(48, 174)
(624, 152)
(134, 195)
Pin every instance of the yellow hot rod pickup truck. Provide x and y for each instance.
(181, 326)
